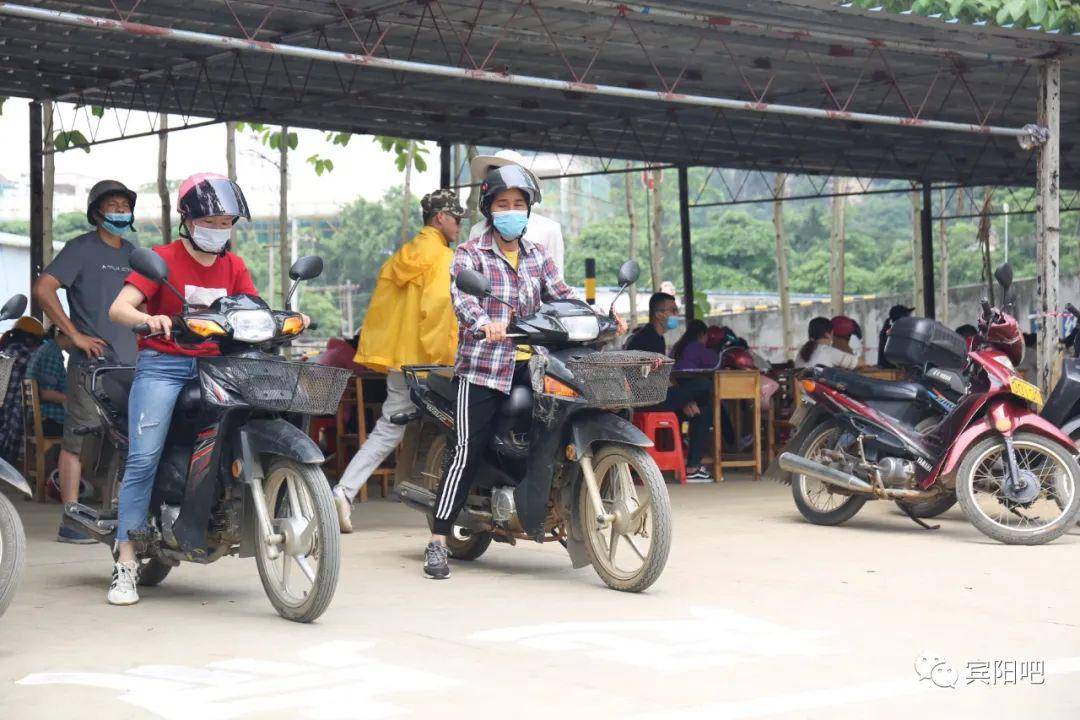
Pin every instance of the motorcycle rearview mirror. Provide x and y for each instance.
(473, 283)
(308, 267)
(629, 272)
(152, 266)
(1004, 276)
(13, 308)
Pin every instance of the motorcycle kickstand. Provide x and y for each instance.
(917, 521)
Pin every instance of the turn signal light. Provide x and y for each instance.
(809, 386)
(554, 387)
(1003, 424)
(205, 328)
(292, 325)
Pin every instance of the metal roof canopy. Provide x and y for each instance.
(772, 85)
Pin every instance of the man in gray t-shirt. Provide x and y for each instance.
(92, 269)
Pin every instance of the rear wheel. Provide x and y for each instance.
(12, 552)
(153, 572)
(819, 502)
(300, 572)
(463, 544)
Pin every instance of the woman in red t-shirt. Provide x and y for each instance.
(202, 268)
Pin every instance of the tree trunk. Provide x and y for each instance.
(836, 271)
(162, 179)
(916, 252)
(406, 201)
(656, 252)
(632, 241)
(943, 306)
(283, 213)
(230, 158)
(48, 184)
(781, 264)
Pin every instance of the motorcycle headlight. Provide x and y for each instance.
(581, 329)
(252, 325)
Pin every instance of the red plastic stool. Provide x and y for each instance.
(663, 429)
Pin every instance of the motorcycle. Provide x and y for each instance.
(1013, 472)
(12, 535)
(235, 477)
(565, 463)
(1063, 403)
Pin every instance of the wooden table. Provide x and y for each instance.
(738, 385)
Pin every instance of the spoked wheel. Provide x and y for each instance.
(463, 544)
(630, 553)
(12, 552)
(300, 571)
(819, 502)
(1039, 508)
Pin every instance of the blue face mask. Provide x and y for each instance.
(510, 223)
(672, 322)
(118, 223)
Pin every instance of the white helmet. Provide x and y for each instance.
(481, 165)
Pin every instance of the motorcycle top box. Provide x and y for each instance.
(922, 341)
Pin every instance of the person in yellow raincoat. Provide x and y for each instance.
(410, 321)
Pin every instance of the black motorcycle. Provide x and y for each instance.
(12, 536)
(235, 477)
(565, 464)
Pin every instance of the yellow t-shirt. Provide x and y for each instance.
(523, 351)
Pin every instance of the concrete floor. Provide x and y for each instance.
(758, 614)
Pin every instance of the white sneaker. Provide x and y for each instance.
(123, 590)
(344, 509)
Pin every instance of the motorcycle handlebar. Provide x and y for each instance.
(141, 329)
(1072, 309)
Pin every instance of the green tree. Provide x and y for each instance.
(1063, 15)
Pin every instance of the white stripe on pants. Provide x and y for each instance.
(383, 438)
(461, 453)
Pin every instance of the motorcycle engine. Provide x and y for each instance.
(503, 509)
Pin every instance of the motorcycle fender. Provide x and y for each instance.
(1072, 428)
(596, 426)
(279, 437)
(14, 478)
(575, 541)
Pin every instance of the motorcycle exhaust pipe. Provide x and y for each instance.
(422, 499)
(797, 464)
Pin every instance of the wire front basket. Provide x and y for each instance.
(623, 378)
(305, 388)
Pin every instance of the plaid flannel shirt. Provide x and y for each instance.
(491, 364)
(47, 367)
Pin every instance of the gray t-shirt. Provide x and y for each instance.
(93, 272)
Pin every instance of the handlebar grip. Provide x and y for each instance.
(141, 329)
(1072, 309)
(313, 325)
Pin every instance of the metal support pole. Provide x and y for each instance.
(37, 203)
(687, 259)
(590, 280)
(1047, 221)
(444, 164)
(927, 240)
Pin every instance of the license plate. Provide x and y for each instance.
(1024, 389)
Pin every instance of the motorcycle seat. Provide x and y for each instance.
(861, 387)
(441, 382)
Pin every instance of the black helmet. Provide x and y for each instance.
(209, 194)
(506, 178)
(102, 190)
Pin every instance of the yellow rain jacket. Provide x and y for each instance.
(411, 317)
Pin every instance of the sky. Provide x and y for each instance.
(360, 169)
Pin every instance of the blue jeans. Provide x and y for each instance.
(159, 378)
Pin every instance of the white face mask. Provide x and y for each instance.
(211, 240)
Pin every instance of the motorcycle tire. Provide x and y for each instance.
(315, 492)
(12, 552)
(153, 572)
(970, 505)
(462, 544)
(652, 482)
(799, 488)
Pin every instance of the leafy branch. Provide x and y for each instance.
(1063, 15)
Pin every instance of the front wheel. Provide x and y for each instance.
(820, 502)
(12, 552)
(1039, 508)
(630, 552)
(300, 572)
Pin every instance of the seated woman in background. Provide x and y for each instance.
(818, 350)
(690, 352)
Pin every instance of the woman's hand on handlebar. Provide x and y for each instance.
(158, 325)
(620, 324)
(493, 332)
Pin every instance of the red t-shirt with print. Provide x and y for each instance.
(201, 285)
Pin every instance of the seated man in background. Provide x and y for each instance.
(19, 344)
(46, 366)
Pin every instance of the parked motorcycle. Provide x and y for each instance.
(235, 477)
(1013, 471)
(565, 464)
(12, 536)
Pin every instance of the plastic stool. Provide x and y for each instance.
(663, 429)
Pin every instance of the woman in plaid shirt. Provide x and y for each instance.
(521, 274)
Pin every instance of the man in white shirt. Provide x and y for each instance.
(542, 230)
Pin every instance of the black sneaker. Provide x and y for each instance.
(435, 565)
(73, 537)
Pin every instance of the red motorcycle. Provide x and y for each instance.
(1013, 472)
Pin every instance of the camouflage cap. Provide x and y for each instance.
(442, 200)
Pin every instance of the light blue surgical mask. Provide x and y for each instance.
(672, 322)
(510, 223)
(118, 223)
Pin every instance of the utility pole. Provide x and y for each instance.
(283, 211)
(162, 178)
(781, 262)
(836, 269)
(1047, 220)
(48, 185)
(629, 185)
(230, 158)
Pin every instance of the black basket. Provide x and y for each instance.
(623, 378)
(305, 388)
